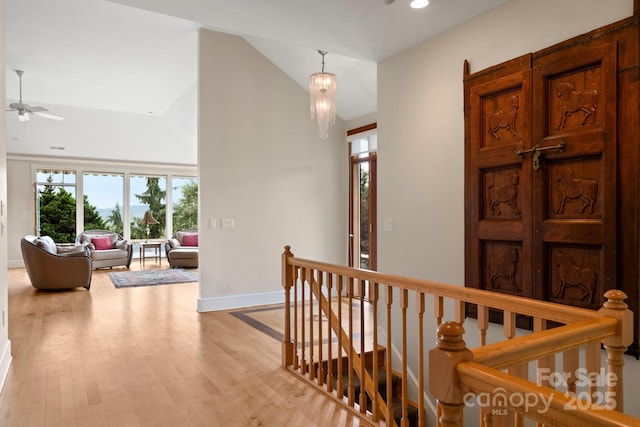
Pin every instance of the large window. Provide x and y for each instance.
(70, 200)
(184, 199)
(148, 193)
(103, 200)
(56, 205)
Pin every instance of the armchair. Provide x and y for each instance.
(51, 267)
(106, 248)
(182, 249)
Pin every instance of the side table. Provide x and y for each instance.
(157, 251)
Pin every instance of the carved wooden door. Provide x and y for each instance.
(574, 184)
(499, 182)
(541, 176)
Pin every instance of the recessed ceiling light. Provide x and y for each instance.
(419, 4)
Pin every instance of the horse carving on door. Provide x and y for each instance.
(570, 188)
(573, 101)
(573, 275)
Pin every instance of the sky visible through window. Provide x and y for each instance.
(104, 190)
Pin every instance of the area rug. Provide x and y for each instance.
(127, 279)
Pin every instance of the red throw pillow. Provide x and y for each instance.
(101, 243)
(190, 240)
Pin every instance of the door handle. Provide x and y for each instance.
(537, 152)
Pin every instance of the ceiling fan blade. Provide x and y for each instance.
(48, 115)
(35, 109)
(24, 110)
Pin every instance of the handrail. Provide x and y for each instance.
(313, 304)
(562, 409)
(535, 346)
(526, 306)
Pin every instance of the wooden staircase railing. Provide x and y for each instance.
(335, 316)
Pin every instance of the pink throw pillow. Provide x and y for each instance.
(190, 240)
(101, 243)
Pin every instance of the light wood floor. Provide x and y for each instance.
(145, 357)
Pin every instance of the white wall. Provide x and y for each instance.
(5, 343)
(263, 167)
(421, 132)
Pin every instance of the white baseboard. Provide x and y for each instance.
(5, 362)
(15, 263)
(240, 301)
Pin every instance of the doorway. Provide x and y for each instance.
(362, 200)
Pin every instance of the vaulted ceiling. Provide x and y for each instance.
(140, 56)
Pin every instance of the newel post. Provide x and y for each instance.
(287, 283)
(617, 344)
(443, 378)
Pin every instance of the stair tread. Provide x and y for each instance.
(382, 379)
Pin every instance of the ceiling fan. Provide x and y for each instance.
(25, 111)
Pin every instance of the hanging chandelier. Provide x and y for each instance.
(322, 87)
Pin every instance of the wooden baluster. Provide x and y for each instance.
(593, 361)
(509, 331)
(522, 371)
(420, 311)
(438, 313)
(296, 362)
(351, 387)
(483, 323)
(373, 298)
(509, 324)
(546, 363)
(389, 362)
(460, 311)
(330, 381)
(312, 338)
(340, 385)
(363, 365)
(321, 362)
(570, 364)
(617, 345)
(287, 283)
(303, 324)
(443, 385)
(404, 304)
(438, 309)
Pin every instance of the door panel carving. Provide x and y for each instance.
(501, 113)
(502, 268)
(574, 190)
(574, 276)
(502, 194)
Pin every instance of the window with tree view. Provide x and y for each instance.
(148, 193)
(102, 204)
(184, 196)
(56, 205)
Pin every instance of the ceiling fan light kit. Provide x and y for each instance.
(25, 111)
(415, 4)
(419, 4)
